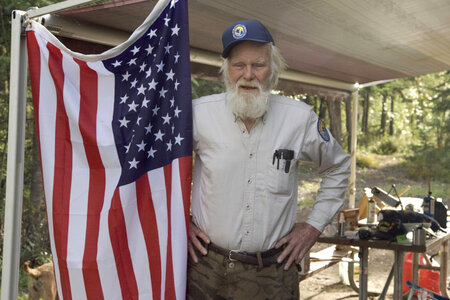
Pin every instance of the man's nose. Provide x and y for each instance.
(249, 73)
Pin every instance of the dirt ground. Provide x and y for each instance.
(327, 284)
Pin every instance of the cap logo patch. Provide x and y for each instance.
(239, 31)
(322, 129)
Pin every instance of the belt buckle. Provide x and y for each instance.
(230, 253)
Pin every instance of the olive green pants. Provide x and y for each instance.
(216, 277)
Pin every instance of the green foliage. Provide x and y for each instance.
(307, 201)
(35, 244)
(426, 162)
(438, 189)
(383, 145)
(203, 87)
(387, 147)
(365, 161)
(420, 123)
(23, 284)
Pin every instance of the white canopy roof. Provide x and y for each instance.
(329, 43)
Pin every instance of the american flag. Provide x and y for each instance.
(115, 136)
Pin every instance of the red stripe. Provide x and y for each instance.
(63, 170)
(34, 62)
(149, 226)
(119, 242)
(88, 128)
(169, 292)
(185, 165)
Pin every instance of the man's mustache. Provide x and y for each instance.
(248, 84)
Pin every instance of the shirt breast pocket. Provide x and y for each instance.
(279, 182)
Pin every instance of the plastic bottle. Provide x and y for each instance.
(429, 202)
(371, 211)
(428, 205)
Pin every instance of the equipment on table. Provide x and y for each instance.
(435, 208)
(391, 222)
(385, 197)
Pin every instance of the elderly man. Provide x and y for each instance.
(244, 239)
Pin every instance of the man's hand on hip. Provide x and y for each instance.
(298, 242)
(195, 234)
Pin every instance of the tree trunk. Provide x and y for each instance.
(383, 115)
(391, 119)
(439, 137)
(322, 109)
(334, 112)
(365, 116)
(348, 121)
(315, 104)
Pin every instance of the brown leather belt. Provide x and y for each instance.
(265, 258)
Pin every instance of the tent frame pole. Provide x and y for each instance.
(15, 162)
(54, 8)
(352, 181)
(16, 146)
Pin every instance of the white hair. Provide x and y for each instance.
(252, 106)
(277, 65)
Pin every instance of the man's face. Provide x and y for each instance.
(249, 62)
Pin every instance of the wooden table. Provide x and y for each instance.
(399, 250)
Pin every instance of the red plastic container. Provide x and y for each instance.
(428, 279)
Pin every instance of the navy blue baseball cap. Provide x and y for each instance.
(245, 30)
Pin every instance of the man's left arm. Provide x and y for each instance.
(334, 168)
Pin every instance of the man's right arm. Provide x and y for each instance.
(195, 237)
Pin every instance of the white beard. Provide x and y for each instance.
(247, 106)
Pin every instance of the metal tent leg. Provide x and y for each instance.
(15, 165)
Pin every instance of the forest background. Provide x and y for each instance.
(406, 120)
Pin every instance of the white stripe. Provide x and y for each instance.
(136, 241)
(79, 191)
(47, 121)
(179, 238)
(158, 188)
(105, 139)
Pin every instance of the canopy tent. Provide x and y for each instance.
(331, 48)
(344, 41)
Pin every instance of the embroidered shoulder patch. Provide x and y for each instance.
(322, 129)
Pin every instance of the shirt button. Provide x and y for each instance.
(231, 265)
(249, 181)
(250, 155)
(248, 206)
